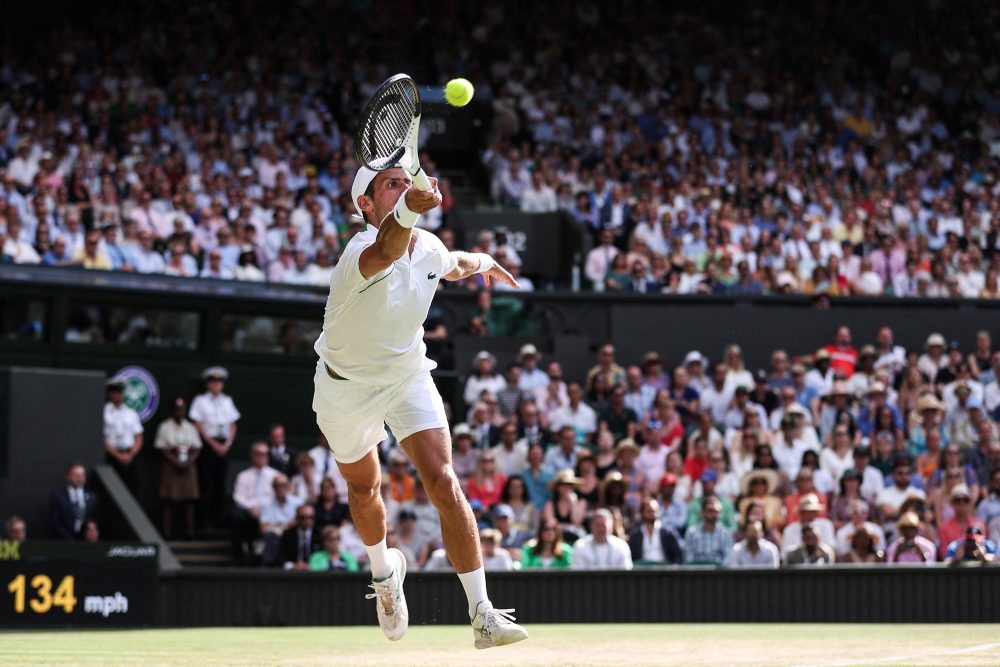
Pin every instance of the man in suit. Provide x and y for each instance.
(639, 281)
(71, 506)
(812, 551)
(280, 456)
(653, 541)
(300, 541)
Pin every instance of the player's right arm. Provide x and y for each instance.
(395, 230)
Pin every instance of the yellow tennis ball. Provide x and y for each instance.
(458, 92)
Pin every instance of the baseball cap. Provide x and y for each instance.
(528, 350)
(668, 478)
(974, 402)
(694, 356)
(503, 509)
(810, 502)
(709, 476)
(960, 491)
(975, 532)
(476, 504)
(362, 180)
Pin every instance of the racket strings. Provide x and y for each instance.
(387, 130)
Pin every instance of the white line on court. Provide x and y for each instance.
(978, 648)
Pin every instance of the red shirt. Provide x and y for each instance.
(693, 467)
(842, 359)
(489, 497)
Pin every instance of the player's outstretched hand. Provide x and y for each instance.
(420, 201)
(498, 274)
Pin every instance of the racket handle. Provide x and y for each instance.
(421, 181)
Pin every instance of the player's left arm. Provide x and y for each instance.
(471, 263)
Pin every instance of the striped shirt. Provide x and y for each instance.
(707, 547)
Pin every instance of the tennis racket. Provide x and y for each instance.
(388, 130)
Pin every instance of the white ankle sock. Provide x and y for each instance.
(474, 584)
(378, 559)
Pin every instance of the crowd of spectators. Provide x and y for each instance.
(824, 149)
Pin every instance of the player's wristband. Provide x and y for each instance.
(403, 215)
(485, 262)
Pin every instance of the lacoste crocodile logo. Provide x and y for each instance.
(431, 276)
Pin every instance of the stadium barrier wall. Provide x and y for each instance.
(197, 597)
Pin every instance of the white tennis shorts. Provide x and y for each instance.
(353, 416)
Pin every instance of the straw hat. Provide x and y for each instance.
(929, 402)
(626, 443)
(766, 474)
(564, 476)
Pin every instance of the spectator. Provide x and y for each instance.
(71, 506)
(305, 485)
(989, 508)
(122, 434)
(955, 527)
(974, 548)
(564, 454)
(487, 484)
(890, 499)
(428, 528)
(484, 378)
(708, 542)
(872, 480)
(512, 536)
(329, 511)
(759, 486)
(600, 550)
(495, 557)
(15, 529)
(517, 499)
(177, 439)
(536, 477)
(613, 373)
(401, 482)
(653, 541)
(565, 506)
(533, 380)
(754, 550)
(276, 517)
(300, 541)
(858, 520)
(803, 486)
(326, 466)
(511, 455)
(464, 457)
(547, 550)
(652, 372)
(809, 509)
(215, 417)
(331, 558)
(575, 414)
(910, 547)
(812, 550)
(600, 260)
(252, 492)
(280, 456)
(727, 519)
(510, 396)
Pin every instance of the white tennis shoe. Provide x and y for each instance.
(390, 601)
(495, 627)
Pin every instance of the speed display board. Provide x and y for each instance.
(115, 587)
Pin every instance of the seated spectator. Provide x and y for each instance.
(178, 440)
(613, 495)
(727, 519)
(547, 550)
(872, 479)
(708, 542)
(809, 509)
(495, 557)
(280, 456)
(464, 457)
(621, 420)
(330, 557)
(858, 521)
(891, 497)
(939, 497)
(803, 486)
(305, 484)
(635, 481)
(512, 538)
(973, 548)
(15, 529)
(754, 550)
(575, 414)
(275, 518)
(563, 454)
(483, 378)
(653, 541)
(673, 512)
(537, 477)
(850, 491)
(759, 486)
(428, 528)
(252, 492)
(812, 550)
(405, 537)
(989, 508)
(586, 471)
(955, 527)
(328, 509)
(600, 550)
(910, 547)
(326, 466)
(822, 481)
(300, 540)
(486, 485)
(511, 455)
(565, 506)
(71, 505)
(517, 499)
(400, 480)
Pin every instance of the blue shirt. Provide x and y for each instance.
(987, 545)
(537, 487)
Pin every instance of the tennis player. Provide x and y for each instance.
(373, 370)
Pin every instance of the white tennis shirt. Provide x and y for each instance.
(373, 330)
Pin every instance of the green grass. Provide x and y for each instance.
(629, 645)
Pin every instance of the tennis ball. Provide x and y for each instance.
(458, 92)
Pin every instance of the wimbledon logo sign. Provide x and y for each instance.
(142, 394)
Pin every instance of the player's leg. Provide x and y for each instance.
(416, 416)
(351, 418)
